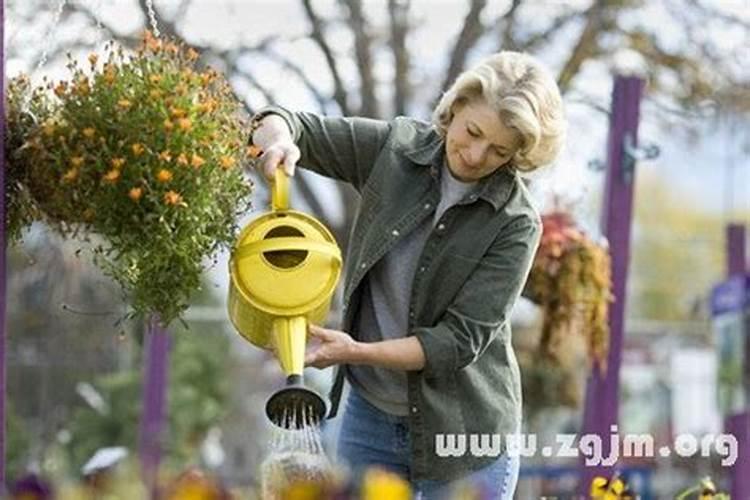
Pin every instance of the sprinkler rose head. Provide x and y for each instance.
(295, 406)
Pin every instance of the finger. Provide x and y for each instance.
(270, 162)
(319, 332)
(291, 157)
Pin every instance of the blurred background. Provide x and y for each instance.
(75, 370)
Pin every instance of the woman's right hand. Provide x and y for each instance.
(278, 148)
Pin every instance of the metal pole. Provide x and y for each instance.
(738, 424)
(2, 259)
(602, 391)
(156, 367)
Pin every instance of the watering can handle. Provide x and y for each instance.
(287, 243)
(280, 190)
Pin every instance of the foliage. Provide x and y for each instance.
(570, 280)
(197, 395)
(144, 151)
(24, 111)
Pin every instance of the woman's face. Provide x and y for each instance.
(477, 143)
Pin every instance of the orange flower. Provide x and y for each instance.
(164, 175)
(154, 78)
(89, 132)
(182, 159)
(93, 58)
(192, 55)
(165, 156)
(253, 151)
(172, 48)
(83, 87)
(112, 176)
(76, 161)
(124, 103)
(177, 112)
(70, 175)
(60, 89)
(109, 76)
(181, 89)
(135, 193)
(168, 125)
(227, 162)
(117, 162)
(49, 129)
(138, 149)
(172, 198)
(185, 123)
(154, 94)
(197, 161)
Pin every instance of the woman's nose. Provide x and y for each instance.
(477, 153)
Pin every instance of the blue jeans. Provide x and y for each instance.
(370, 437)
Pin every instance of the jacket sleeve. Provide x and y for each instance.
(483, 305)
(342, 148)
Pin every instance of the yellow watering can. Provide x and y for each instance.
(283, 271)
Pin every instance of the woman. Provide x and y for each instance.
(440, 250)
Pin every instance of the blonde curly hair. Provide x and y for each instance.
(524, 95)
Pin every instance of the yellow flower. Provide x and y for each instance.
(172, 198)
(253, 151)
(172, 48)
(185, 123)
(137, 149)
(89, 132)
(93, 58)
(117, 162)
(226, 162)
(76, 161)
(181, 89)
(83, 86)
(197, 161)
(112, 176)
(135, 193)
(154, 78)
(70, 175)
(154, 94)
(124, 103)
(182, 159)
(165, 156)
(168, 125)
(192, 55)
(207, 77)
(164, 175)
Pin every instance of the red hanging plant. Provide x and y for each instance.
(570, 279)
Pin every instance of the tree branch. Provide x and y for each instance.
(470, 33)
(363, 57)
(339, 92)
(399, 25)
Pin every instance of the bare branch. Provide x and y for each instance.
(508, 40)
(399, 24)
(533, 41)
(587, 45)
(339, 92)
(470, 33)
(363, 57)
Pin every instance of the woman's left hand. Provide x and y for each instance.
(334, 347)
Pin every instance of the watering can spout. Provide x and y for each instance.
(295, 406)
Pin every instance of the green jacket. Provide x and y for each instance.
(471, 272)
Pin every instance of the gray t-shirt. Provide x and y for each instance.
(384, 309)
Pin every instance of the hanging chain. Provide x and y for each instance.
(152, 17)
(46, 42)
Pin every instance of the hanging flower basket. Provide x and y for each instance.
(570, 280)
(143, 150)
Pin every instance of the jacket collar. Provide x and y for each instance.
(428, 149)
